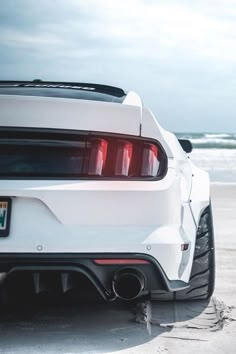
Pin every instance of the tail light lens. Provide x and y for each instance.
(150, 161)
(97, 157)
(123, 158)
(114, 157)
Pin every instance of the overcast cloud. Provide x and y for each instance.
(180, 55)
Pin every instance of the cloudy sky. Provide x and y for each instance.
(179, 55)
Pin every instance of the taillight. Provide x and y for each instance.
(80, 155)
(123, 158)
(150, 161)
(97, 158)
(116, 157)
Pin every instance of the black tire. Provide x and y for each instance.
(202, 278)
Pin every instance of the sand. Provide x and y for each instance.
(197, 327)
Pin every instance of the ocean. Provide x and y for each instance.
(215, 153)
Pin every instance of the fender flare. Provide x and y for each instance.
(200, 193)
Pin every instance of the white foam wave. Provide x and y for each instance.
(219, 163)
(214, 142)
(212, 136)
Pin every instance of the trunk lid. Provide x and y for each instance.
(61, 113)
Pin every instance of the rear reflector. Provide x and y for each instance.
(120, 261)
(184, 247)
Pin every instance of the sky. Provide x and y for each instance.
(179, 55)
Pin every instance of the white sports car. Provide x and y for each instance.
(92, 185)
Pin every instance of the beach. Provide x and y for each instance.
(196, 327)
(116, 121)
(215, 153)
(224, 210)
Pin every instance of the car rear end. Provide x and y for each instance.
(92, 188)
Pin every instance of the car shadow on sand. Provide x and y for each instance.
(80, 323)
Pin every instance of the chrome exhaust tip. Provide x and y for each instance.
(128, 284)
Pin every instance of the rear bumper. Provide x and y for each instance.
(105, 217)
(101, 276)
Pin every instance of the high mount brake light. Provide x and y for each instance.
(115, 157)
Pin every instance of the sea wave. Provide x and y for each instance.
(219, 163)
(214, 143)
(212, 136)
(210, 140)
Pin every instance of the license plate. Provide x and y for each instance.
(5, 215)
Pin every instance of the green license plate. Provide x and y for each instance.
(5, 216)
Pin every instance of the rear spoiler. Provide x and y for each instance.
(110, 90)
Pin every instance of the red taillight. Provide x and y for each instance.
(123, 158)
(97, 158)
(120, 261)
(150, 162)
(120, 158)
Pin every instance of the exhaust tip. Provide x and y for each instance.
(128, 284)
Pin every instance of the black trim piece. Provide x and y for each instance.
(107, 89)
(186, 145)
(14, 133)
(77, 261)
(5, 233)
(79, 269)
